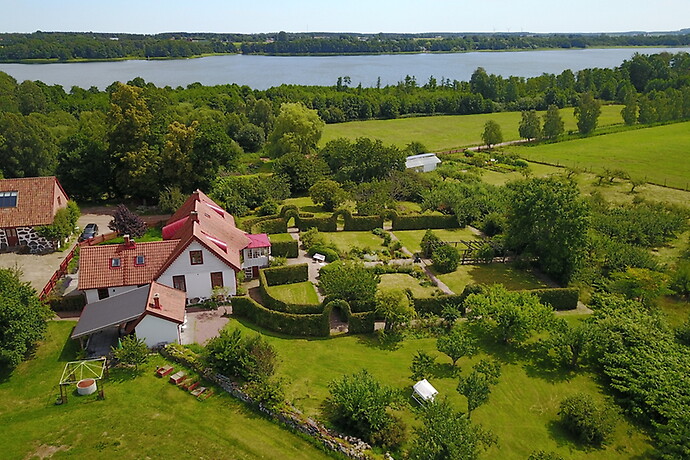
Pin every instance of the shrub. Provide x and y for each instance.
(558, 298)
(311, 238)
(252, 359)
(268, 208)
(270, 394)
(125, 222)
(286, 275)
(422, 365)
(170, 199)
(486, 253)
(330, 253)
(429, 243)
(289, 249)
(350, 281)
(446, 258)
(590, 423)
(493, 224)
(70, 303)
(133, 351)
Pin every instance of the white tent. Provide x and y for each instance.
(423, 391)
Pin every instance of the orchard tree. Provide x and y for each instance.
(590, 422)
(297, 129)
(394, 306)
(446, 258)
(492, 134)
(422, 365)
(475, 388)
(553, 123)
(456, 344)
(587, 113)
(530, 125)
(571, 342)
(125, 222)
(23, 318)
(328, 194)
(548, 218)
(350, 281)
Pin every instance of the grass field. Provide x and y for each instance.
(521, 412)
(447, 132)
(402, 281)
(411, 239)
(142, 417)
(677, 310)
(658, 154)
(345, 241)
(280, 237)
(511, 278)
(295, 293)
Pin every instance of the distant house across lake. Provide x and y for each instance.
(424, 162)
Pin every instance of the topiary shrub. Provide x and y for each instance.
(330, 253)
(446, 258)
(285, 275)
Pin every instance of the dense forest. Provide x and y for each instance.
(64, 46)
(131, 140)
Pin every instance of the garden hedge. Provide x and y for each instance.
(275, 225)
(69, 303)
(272, 303)
(362, 223)
(248, 224)
(289, 249)
(424, 222)
(330, 253)
(285, 323)
(558, 298)
(434, 305)
(285, 275)
(357, 323)
(323, 224)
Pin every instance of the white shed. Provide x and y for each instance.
(424, 162)
(423, 391)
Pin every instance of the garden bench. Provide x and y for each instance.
(319, 257)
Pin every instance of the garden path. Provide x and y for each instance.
(303, 258)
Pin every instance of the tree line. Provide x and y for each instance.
(64, 46)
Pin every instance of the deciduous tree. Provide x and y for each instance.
(296, 129)
(125, 222)
(587, 113)
(553, 123)
(492, 134)
(328, 194)
(530, 125)
(456, 344)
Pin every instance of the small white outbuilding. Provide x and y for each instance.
(423, 162)
(423, 391)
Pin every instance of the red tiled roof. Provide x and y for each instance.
(95, 271)
(38, 199)
(171, 301)
(258, 241)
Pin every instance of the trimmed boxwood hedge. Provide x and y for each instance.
(357, 323)
(285, 323)
(558, 298)
(272, 303)
(289, 249)
(362, 223)
(276, 225)
(434, 305)
(69, 303)
(248, 224)
(285, 275)
(323, 224)
(424, 222)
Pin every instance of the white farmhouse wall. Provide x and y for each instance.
(92, 294)
(198, 277)
(153, 331)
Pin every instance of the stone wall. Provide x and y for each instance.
(348, 446)
(28, 237)
(3, 239)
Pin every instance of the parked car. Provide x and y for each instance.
(89, 232)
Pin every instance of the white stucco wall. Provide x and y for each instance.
(92, 294)
(154, 330)
(198, 277)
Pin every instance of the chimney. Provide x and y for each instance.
(194, 216)
(156, 301)
(129, 242)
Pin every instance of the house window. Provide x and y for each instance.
(216, 279)
(256, 253)
(103, 294)
(139, 260)
(8, 199)
(196, 257)
(180, 283)
(115, 262)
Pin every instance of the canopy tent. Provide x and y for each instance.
(423, 391)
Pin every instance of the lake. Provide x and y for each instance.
(261, 72)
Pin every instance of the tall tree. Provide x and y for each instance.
(296, 129)
(553, 123)
(548, 218)
(394, 306)
(177, 167)
(300, 171)
(530, 125)
(492, 134)
(587, 113)
(629, 112)
(28, 149)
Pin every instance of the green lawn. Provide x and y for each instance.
(152, 234)
(295, 293)
(142, 417)
(345, 241)
(521, 412)
(677, 310)
(505, 274)
(402, 281)
(658, 154)
(280, 237)
(411, 239)
(305, 204)
(447, 132)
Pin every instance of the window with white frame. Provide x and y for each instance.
(255, 253)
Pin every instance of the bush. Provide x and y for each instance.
(289, 249)
(429, 242)
(252, 359)
(70, 303)
(285, 323)
(351, 282)
(493, 224)
(424, 222)
(330, 253)
(590, 423)
(270, 226)
(125, 222)
(486, 253)
(286, 275)
(170, 199)
(133, 351)
(446, 258)
(558, 298)
(270, 394)
(268, 208)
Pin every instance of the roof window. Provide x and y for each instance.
(8, 199)
(140, 260)
(115, 262)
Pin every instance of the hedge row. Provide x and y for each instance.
(362, 223)
(357, 323)
(276, 225)
(434, 305)
(285, 275)
(69, 303)
(323, 224)
(424, 222)
(248, 224)
(285, 323)
(558, 298)
(289, 249)
(278, 305)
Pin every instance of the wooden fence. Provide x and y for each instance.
(59, 273)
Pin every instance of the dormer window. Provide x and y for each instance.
(196, 257)
(140, 260)
(8, 199)
(115, 262)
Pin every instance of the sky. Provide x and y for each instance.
(372, 16)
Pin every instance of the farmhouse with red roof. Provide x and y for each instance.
(27, 203)
(201, 252)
